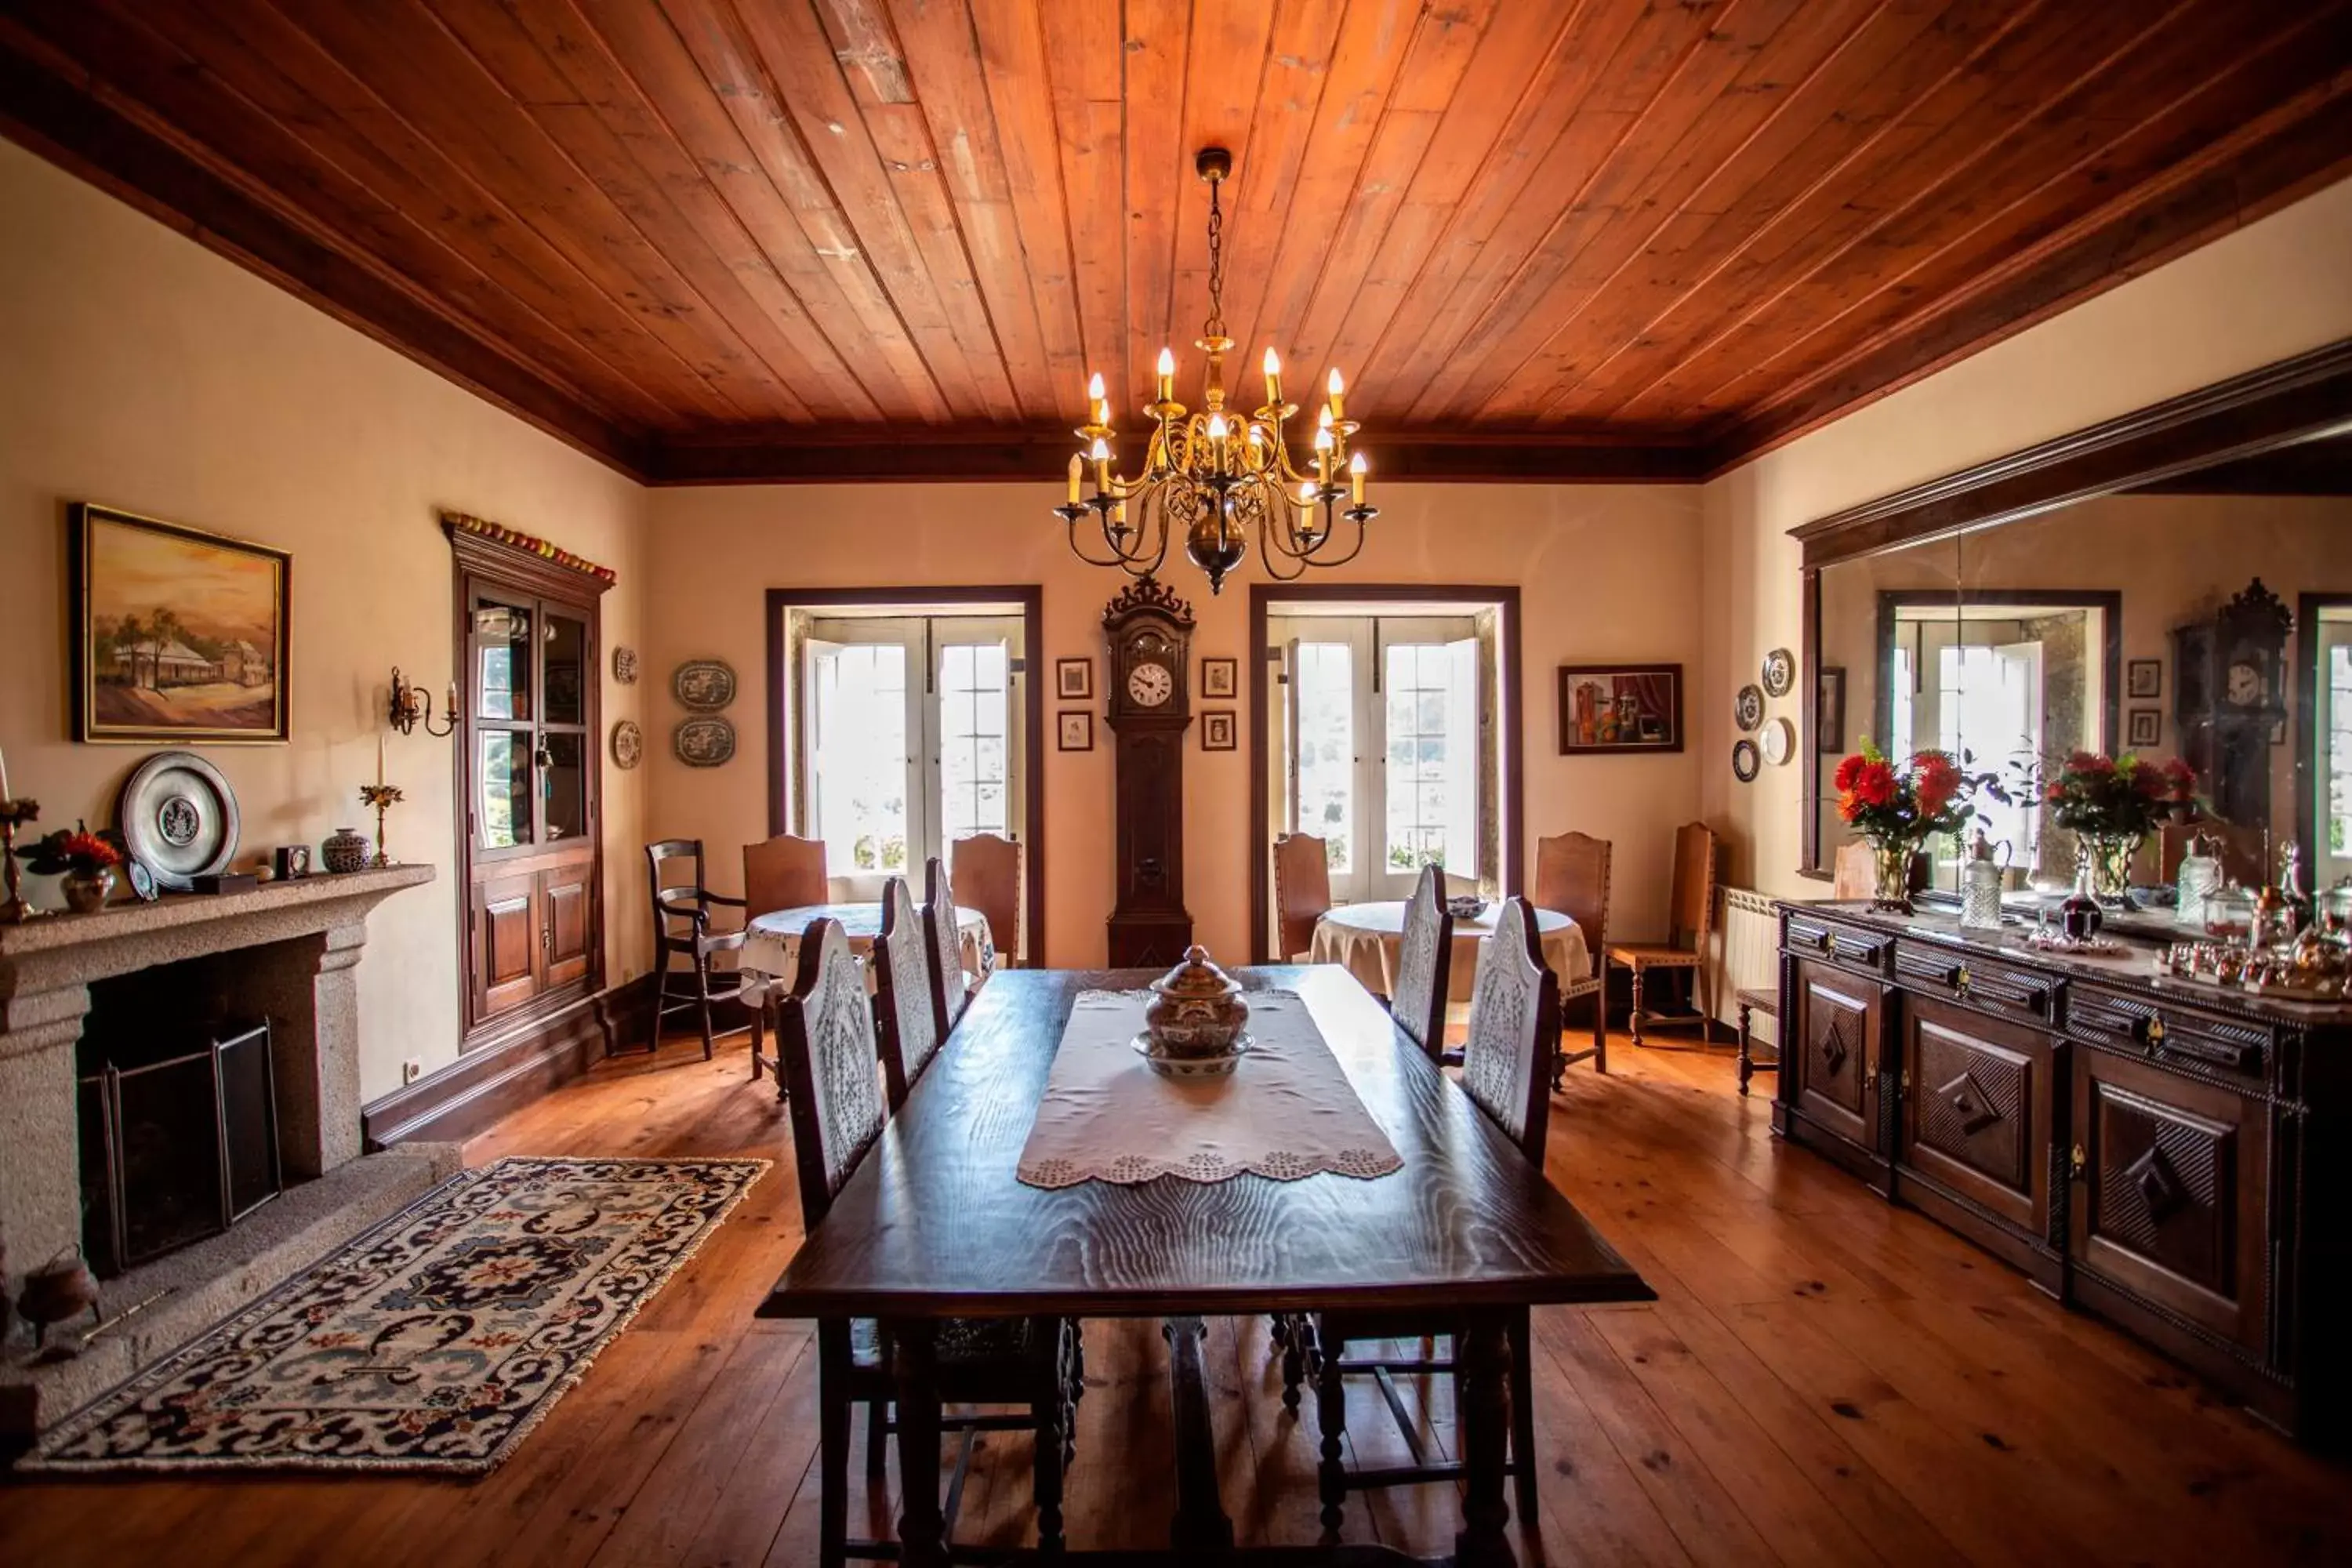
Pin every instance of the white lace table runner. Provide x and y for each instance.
(1286, 1111)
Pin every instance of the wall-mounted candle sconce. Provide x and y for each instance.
(413, 705)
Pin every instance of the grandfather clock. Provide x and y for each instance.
(1150, 633)
(2229, 692)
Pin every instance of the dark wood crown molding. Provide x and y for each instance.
(2292, 400)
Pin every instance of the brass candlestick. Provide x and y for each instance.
(15, 911)
(380, 796)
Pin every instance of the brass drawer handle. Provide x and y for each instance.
(2156, 1031)
(2080, 1159)
(1960, 978)
(1829, 943)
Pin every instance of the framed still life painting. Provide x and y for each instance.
(1617, 709)
(178, 636)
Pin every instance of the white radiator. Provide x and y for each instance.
(1749, 957)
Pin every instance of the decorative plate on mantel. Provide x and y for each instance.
(178, 818)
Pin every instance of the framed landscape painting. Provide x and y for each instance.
(1619, 708)
(179, 635)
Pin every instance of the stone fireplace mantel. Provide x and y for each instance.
(296, 943)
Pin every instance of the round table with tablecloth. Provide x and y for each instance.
(771, 944)
(1365, 940)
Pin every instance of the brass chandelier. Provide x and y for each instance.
(1216, 476)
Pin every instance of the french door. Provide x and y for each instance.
(913, 737)
(1379, 752)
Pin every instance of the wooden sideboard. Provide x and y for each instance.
(2170, 1156)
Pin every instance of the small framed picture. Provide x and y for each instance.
(1074, 679)
(2146, 726)
(2144, 678)
(2278, 732)
(1221, 678)
(1829, 711)
(1620, 709)
(1217, 730)
(1076, 731)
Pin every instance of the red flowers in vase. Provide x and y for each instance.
(2117, 797)
(1887, 804)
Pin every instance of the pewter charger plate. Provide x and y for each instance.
(178, 818)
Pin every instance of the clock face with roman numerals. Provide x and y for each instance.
(1148, 685)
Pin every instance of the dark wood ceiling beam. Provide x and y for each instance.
(73, 125)
(1036, 455)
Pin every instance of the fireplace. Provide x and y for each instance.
(177, 1143)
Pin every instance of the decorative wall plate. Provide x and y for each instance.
(704, 685)
(704, 742)
(1744, 761)
(1748, 707)
(1779, 739)
(628, 744)
(1779, 672)
(624, 665)
(178, 817)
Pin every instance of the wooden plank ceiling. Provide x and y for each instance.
(803, 239)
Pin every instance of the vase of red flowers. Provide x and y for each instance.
(2111, 804)
(84, 863)
(1898, 808)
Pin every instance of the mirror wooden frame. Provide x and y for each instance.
(2292, 400)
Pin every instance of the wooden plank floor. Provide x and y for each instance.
(1823, 1380)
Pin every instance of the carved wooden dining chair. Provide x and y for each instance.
(1425, 965)
(825, 1030)
(783, 873)
(902, 979)
(992, 872)
(1572, 879)
(1506, 1071)
(944, 944)
(681, 911)
(1302, 893)
(1690, 909)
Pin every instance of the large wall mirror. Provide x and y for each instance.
(2177, 584)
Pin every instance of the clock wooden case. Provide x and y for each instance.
(2231, 691)
(1150, 631)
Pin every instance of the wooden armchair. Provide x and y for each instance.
(682, 930)
(992, 872)
(1302, 893)
(782, 873)
(1572, 879)
(1691, 913)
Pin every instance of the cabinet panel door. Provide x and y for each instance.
(2171, 1199)
(1837, 1037)
(565, 899)
(1977, 1109)
(506, 928)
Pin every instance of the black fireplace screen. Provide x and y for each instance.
(176, 1150)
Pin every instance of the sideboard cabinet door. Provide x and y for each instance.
(2170, 1202)
(1977, 1109)
(1836, 1034)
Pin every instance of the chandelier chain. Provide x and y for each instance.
(1214, 327)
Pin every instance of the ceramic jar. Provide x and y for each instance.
(86, 891)
(346, 849)
(1196, 1009)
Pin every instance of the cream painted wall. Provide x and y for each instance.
(1605, 573)
(2276, 288)
(138, 369)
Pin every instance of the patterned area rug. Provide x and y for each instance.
(432, 1344)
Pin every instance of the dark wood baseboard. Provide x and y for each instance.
(508, 1071)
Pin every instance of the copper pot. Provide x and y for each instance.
(58, 1289)
(1196, 1009)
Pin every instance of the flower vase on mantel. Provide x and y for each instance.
(346, 849)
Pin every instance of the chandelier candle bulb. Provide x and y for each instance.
(1167, 375)
(1101, 455)
(1323, 452)
(1272, 378)
(1356, 469)
(1078, 472)
(1337, 386)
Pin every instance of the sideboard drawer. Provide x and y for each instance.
(1987, 984)
(2137, 1020)
(1857, 948)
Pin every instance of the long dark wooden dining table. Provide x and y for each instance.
(934, 1223)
